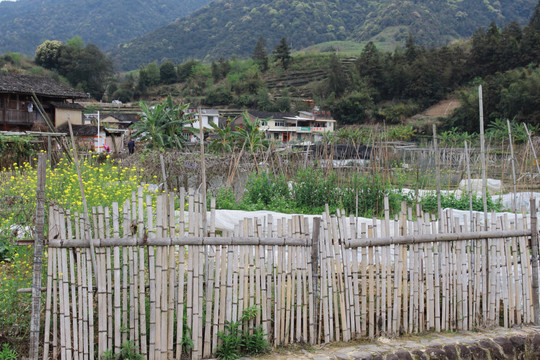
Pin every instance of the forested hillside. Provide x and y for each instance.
(27, 23)
(227, 28)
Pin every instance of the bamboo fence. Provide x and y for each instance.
(169, 286)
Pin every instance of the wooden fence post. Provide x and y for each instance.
(315, 268)
(38, 257)
(534, 245)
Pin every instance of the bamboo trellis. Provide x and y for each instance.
(162, 278)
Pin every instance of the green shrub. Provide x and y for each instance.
(429, 202)
(236, 342)
(371, 193)
(264, 188)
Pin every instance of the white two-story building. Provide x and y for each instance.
(209, 116)
(306, 127)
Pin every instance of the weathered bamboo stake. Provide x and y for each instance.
(74, 316)
(56, 285)
(223, 290)
(125, 263)
(215, 327)
(109, 281)
(48, 299)
(534, 261)
(90, 298)
(236, 253)
(469, 186)
(102, 286)
(437, 171)
(203, 173)
(152, 282)
(512, 159)
(171, 278)
(197, 346)
(207, 349)
(163, 174)
(38, 257)
(83, 196)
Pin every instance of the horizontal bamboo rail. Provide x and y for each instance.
(181, 241)
(434, 238)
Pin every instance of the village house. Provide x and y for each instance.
(19, 113)
(208, 116)
(304, 128)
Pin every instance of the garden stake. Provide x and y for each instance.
(38, 257)
(85, 205)
(512, 159)
(437, 173)
(469, 186)
(534, 244)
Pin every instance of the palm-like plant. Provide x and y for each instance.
(224, 139)
(163, 125)
(249, 136)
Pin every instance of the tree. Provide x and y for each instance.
(167, 73)
(85, 67)
(47, 54)
(164, 125)
(354, 108)
(337, 78)
(153, 74)
(143, 82)
(259, 54)
(282, 53)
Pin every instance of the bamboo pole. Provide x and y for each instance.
(469, 186)
(514, 198)
(203, 171)
(437, 172)
(85, 206)
(534, 243)
(483, 156)
(163, 174)
(38, 257)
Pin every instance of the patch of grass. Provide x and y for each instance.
(7, 353)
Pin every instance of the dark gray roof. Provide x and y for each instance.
(62, 105)
(79, 130)
(42, 86)
(123, 117)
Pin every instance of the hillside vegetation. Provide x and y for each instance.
(25, 24)
(226, 28)
(375, 86)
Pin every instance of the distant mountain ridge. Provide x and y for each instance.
(227, 27)
(25, 24)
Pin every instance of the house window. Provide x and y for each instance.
(299, 136)
(264, 123)
(276, 136)
(279, 123)
(1, 102)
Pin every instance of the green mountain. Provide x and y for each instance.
(25, 24)
(226, 27)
